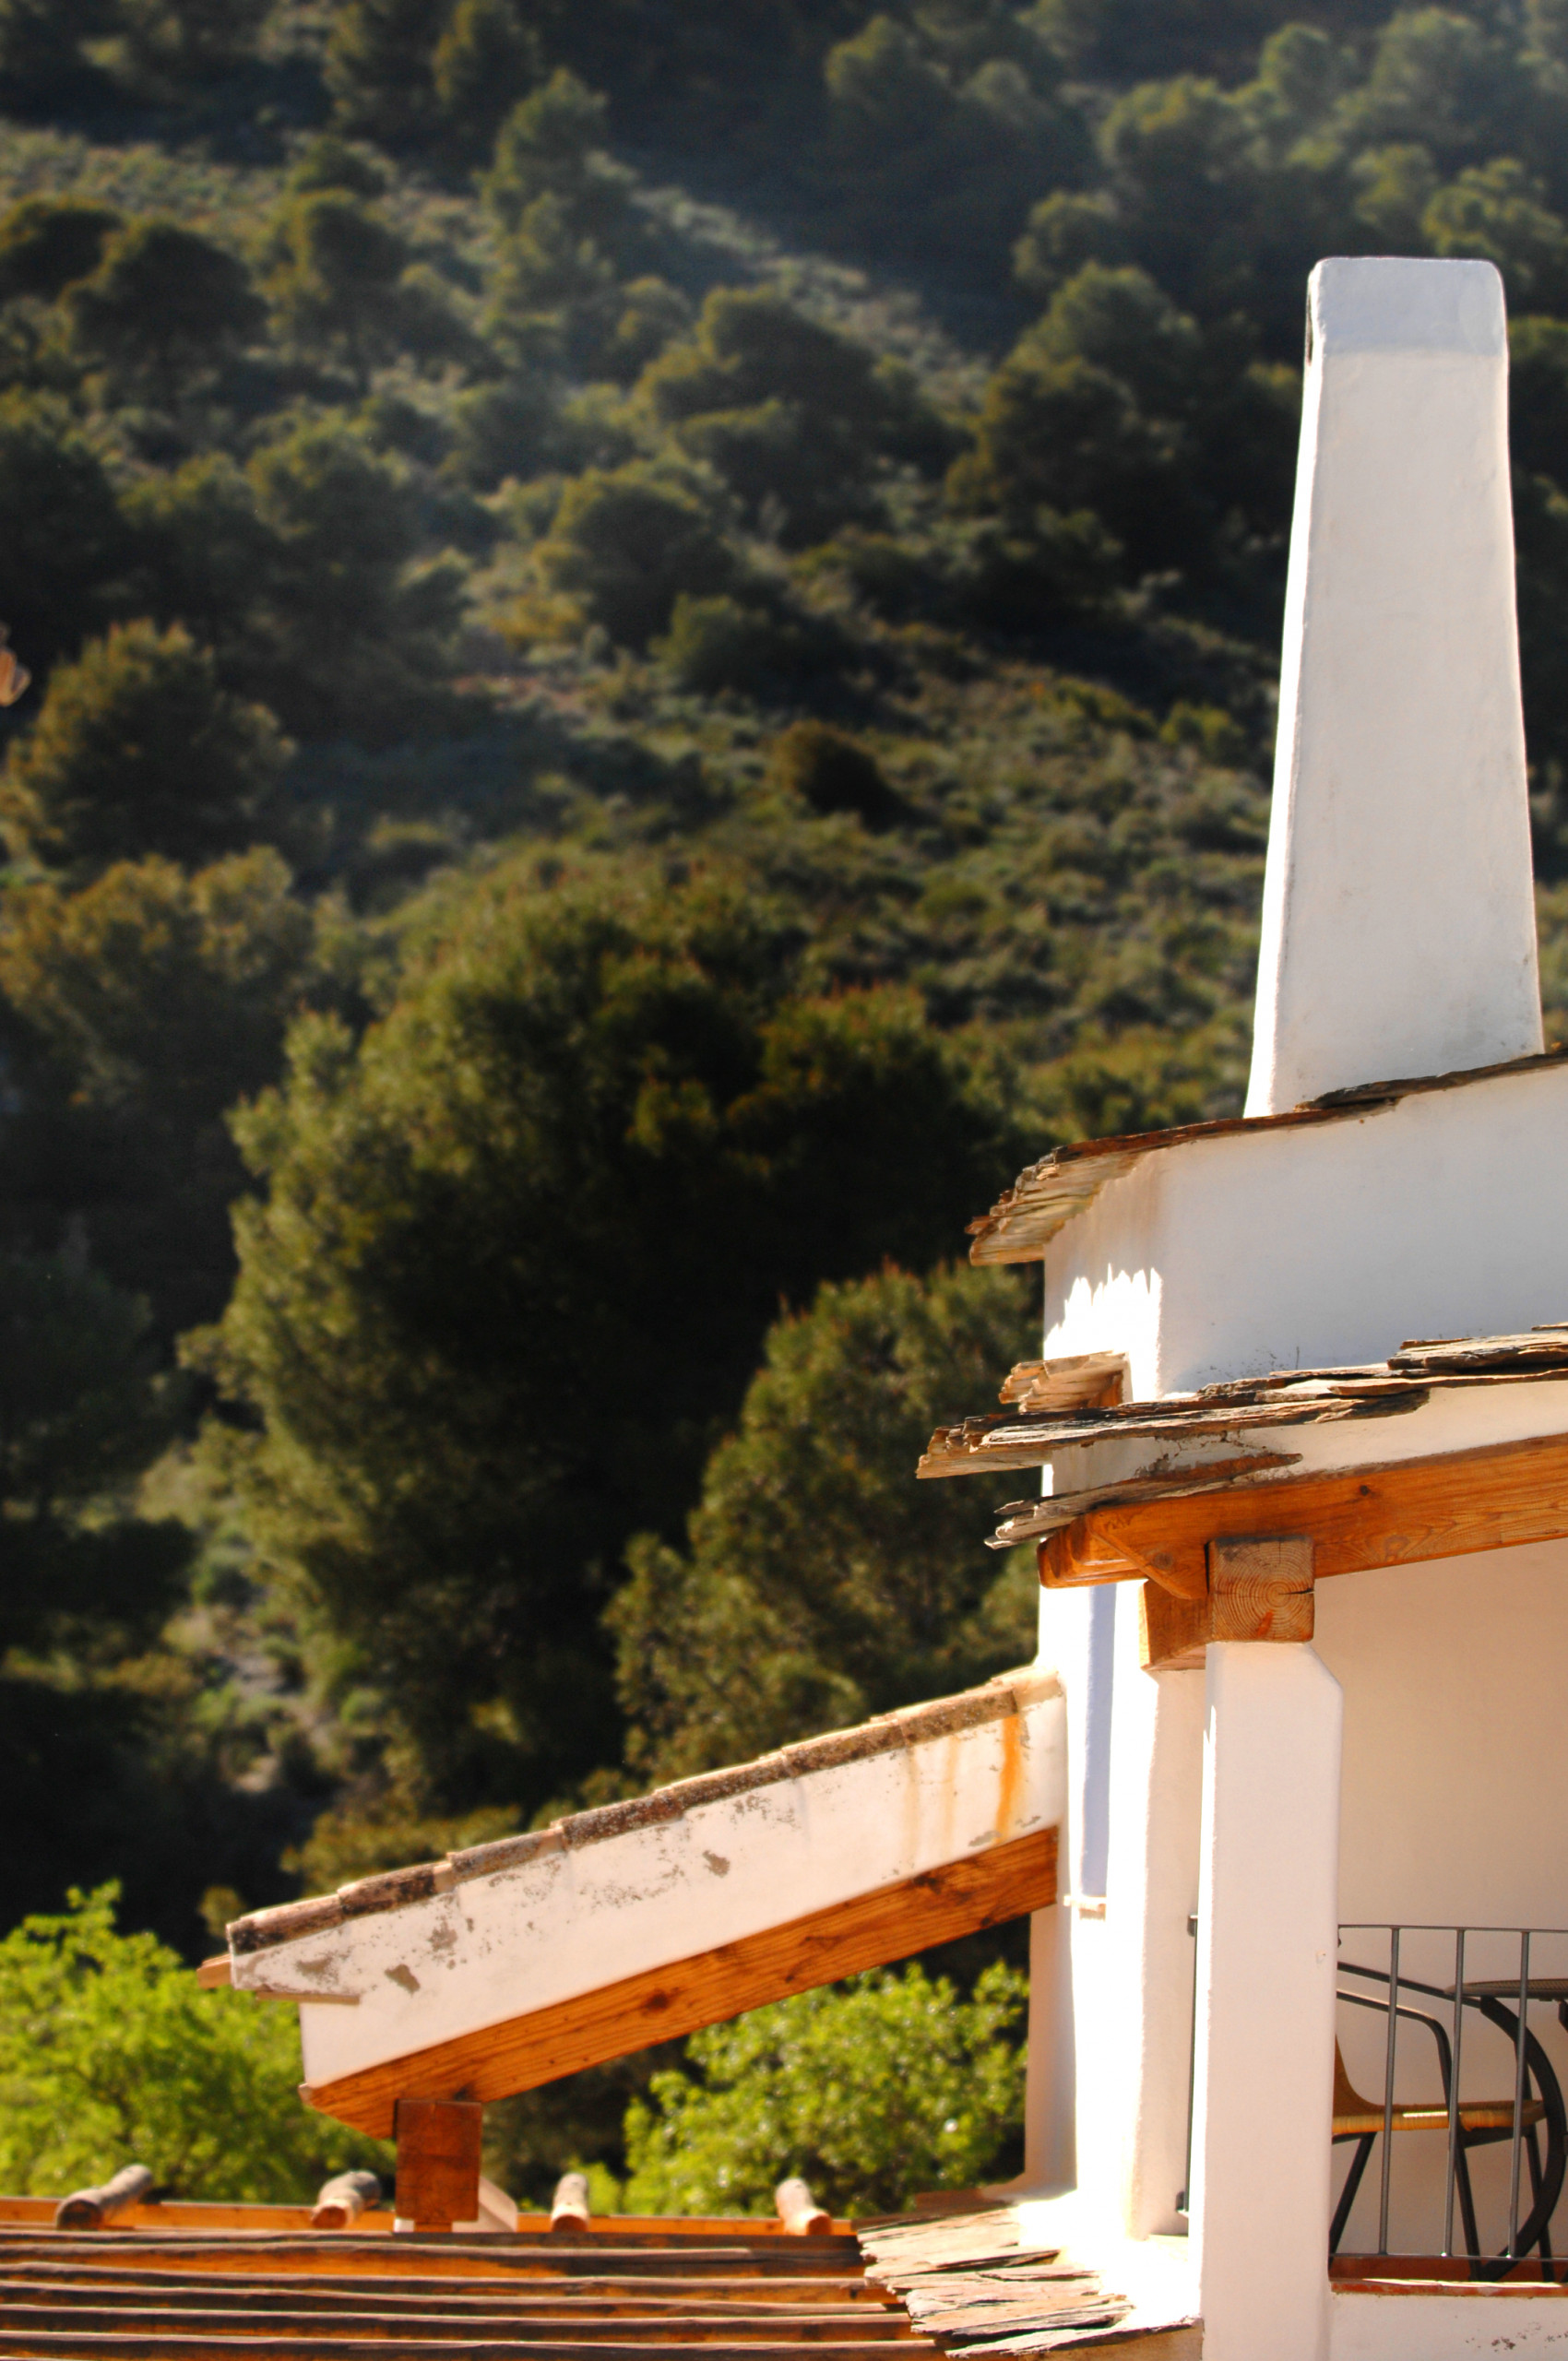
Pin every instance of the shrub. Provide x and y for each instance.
(110, 2051)
(832, 772)
(140, 750)
(873, 2090)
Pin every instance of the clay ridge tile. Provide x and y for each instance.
(393, 1889)
(506, 1852)
(619, 1820)
(946, 1714)
(738, 1779)
(262, 1929)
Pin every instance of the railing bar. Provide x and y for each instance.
(1388, 2088)
(1454, 2090)
(1518, 2094)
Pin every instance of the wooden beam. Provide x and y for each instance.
(1395, 1514)
(659, 2004)
(1258, 1590)
(438, 2157)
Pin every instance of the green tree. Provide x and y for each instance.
(378, 68)
(569, 233)
(85, 1582)
(1118, 404)
(46, 242)
(794, 416)
(352, 631)
(334, 277)
(626, 542)
(821, 1584)
(164, 307)
(137, 1011)
(485, 61)
(553, 144)
(138, 750)
(64, 542)
(168, 46)
(109, 2050)
(81, 1411)
(873, 2090)
(1498, 213)
(513, 1260)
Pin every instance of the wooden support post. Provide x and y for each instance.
(1258, 1589)
(438, 2155)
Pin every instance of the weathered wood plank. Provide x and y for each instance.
(176, 2344)
(1006, 1881)
(1396, 1514)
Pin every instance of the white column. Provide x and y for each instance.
(1050, 2079)
(1398, 920)
(1153, 1881)
(1267, 1935)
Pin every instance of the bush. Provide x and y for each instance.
(110, 2052)
(716, 644)
(140, 750)
(63, 539)
(626, 544)
(48, 241)
(832, 772)
(875, 2091)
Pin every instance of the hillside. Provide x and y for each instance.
(652, 639)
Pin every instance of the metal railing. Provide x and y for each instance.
(1458, 1986)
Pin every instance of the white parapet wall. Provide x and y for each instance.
(1398, 923)
(395, 1964)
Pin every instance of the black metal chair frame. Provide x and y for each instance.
(1546, 2178)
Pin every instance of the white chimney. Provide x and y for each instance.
(1398, 922)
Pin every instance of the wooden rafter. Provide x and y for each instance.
(1397, 1514)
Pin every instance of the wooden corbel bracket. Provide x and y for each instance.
(1257, 1589)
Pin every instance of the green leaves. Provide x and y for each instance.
(873, 2090)
(111, 2054)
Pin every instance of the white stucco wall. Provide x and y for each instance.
(1442, 1216)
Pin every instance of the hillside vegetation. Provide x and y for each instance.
(653, 636)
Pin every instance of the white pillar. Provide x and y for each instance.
(1268, 1935)
(1154, 1887)
(1398, 920)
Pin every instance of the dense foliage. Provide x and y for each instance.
(653, 637)
(109, 2050)
(890, 2085)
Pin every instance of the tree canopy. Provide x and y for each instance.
(603, 1134)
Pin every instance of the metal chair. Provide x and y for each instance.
(1481, 2123)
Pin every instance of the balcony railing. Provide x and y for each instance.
(1448, 2100)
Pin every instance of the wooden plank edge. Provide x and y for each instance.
(1392, 1513)
(1004, 1881)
